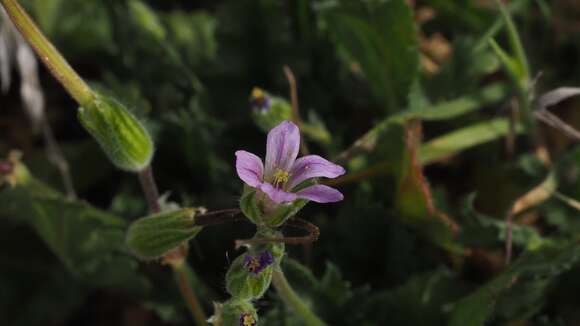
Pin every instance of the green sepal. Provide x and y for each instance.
(230, 312)
(279, 111)
(153, 236)
(123, 138)
(243, 284)
(283, 212)
(264, 211)
(249, 205)
(277, 249)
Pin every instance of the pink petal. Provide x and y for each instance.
(282, 147)
(277, 195)
(250, 168)
(312, 166)
(320, 194)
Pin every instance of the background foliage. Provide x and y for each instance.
(419, 238)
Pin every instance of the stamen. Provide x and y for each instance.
(280, 178)
(246, 319)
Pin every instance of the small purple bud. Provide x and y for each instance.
(258, 264)
(259, 99)
(266, 258)
(247, 319)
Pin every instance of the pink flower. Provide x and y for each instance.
(283, 172)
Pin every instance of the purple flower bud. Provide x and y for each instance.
(259, 99)
(259, 263)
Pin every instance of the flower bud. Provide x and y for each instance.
(123, 138)
(250, 275)
(235, 313)
(156, 235)
(268, 111)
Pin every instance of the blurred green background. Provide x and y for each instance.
(388, 254)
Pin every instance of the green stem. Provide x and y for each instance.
(292, 299)
(178, 256)
(55, 62)
(184, 283)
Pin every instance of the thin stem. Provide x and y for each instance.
(175, 258)
(287, 293)
(55, 62)
(56, 157)
(184, 283)
(150, 189)
(294, 102)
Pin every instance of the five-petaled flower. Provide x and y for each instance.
(283, 172)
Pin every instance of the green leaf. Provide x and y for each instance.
(481, 230)
(146, 19)
(464, 138)
(155, 235)
(381, 37)
(89, 242)
(442, 111)
(526, 280)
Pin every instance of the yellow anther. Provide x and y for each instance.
(249, 320)
(253, 265)
(281, 177)
(257, 93)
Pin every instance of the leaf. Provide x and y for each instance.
(414, 201)
(89, 242)
(147, 19)
(484, 231)
(537, 195)
(534, 270)
(442, 111)
(464, 138)
(381, 37)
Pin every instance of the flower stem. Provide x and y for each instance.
(290, 297)
(184, 283)
(178, 256)
(55, 62)
(150, 189)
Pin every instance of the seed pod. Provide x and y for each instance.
(123, 138)
(155, 235)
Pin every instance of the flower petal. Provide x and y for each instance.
(320, 194)
(282, 147)
(312, 166)
(277, 195)
(250, 168)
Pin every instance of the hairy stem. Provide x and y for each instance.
(176, 258)
(150, 189)
(184, 283)
(55, 62)
(292, 299)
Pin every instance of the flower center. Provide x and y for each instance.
(247, 320)
(253, 264)
(280, 178)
